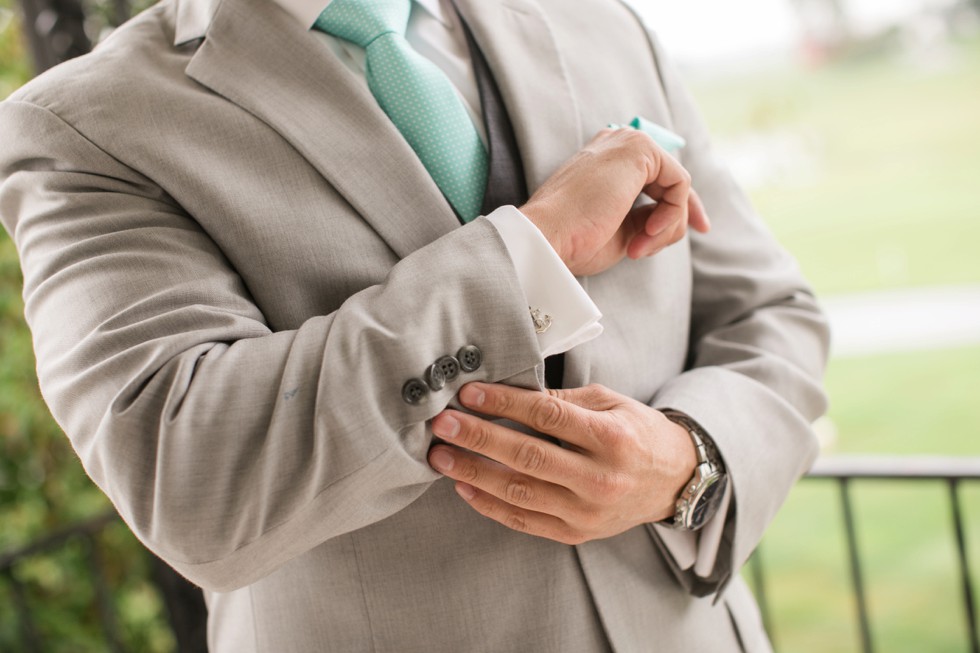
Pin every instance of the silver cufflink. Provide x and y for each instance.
(542, 321)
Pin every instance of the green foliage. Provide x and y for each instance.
(14, 66)
(43, 486)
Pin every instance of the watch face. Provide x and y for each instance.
(707, 503)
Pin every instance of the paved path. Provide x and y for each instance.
(904, 320)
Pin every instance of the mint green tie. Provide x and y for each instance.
(417, 96)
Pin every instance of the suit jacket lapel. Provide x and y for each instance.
(260, 58)
(520, 49)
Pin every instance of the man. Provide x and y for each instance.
(315, 393)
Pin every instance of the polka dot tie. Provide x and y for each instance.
(417, 96)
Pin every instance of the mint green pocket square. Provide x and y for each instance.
(661, 135)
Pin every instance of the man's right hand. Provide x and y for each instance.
(585, 208)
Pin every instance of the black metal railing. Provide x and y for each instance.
(183, 601)
(843, 470)
(86, 531)
(187, 613)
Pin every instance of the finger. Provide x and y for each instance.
(666, 215)
(502, 482)
(518, 519)
(672, 235)
(647, 245)
(653, 221)
(641, 245)
(543, 412)
(660, 227)
(668, 181)
(518, 451)
(697, 215)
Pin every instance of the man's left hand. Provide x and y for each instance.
(620, 463)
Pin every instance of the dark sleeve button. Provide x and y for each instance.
(470, 358)
(435, 376)
(449, 367)
(414, 391)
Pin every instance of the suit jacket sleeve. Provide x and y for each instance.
(758, 349)
(229, 448)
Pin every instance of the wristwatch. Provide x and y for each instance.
(701, 496)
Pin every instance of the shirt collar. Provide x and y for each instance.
(307, 11)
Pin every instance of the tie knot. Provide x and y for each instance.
(362, 21)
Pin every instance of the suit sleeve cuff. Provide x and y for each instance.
(548, 284)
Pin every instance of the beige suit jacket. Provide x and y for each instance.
(233, 262)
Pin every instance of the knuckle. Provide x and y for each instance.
(480, 437)
(531, 456)
(499, 402)
(596, 389)
(598, 394)
(515, 521)
(619, 442)
(486, 506)
(550, 414)
(636, 138)
(470, 473)
(609, 488)
(518, 491)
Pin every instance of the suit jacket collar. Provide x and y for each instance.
(307, 11)
(256, 55)
(193, 18)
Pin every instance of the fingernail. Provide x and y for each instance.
(465, 491)
(471, 395)
(445, 426)
(442, 460)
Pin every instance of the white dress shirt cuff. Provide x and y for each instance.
(548, 285)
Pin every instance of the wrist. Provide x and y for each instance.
(701, 496)
(685, 459)
(540, 215)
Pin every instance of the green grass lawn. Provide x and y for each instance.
(896, 198)
(895, 203)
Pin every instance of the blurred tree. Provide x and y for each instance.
(58, 30)
(55, 31)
